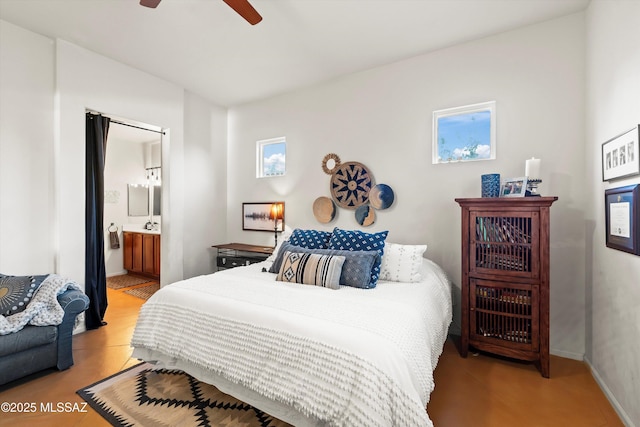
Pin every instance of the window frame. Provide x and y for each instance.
(260, 156)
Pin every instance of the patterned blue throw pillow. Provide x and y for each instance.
(310, 239)
(354, 240)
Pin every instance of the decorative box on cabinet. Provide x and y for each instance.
(505, 277)
(141, 254)
(232, 255)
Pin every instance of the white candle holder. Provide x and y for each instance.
(532, 186)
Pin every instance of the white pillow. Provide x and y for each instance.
(284, 236)
(401, 263)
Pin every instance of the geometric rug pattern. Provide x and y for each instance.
(143, 396)
(144, 292)
(124, 281)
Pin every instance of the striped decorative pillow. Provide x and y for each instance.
(311, 269)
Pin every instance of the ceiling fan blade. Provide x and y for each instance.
(150, 3)
(245, 10)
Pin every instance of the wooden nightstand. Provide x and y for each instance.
(232, 255)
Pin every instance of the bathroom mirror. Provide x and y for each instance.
(138, 200)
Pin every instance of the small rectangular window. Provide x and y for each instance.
(464, 134)
(271, 157)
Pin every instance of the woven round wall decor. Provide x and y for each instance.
(330, 163)
(324, 210)
(350, 185)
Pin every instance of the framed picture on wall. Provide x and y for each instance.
(622, 217)
(464, 134)
(265, 216)
(620, 156)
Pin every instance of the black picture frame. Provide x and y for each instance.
(622, 217)
(621, 155)
(255, 217)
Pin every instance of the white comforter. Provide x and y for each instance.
(347, 357)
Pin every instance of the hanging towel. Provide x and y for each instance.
(113, 237)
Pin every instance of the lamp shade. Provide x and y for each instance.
(277, 211)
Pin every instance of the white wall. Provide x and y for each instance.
(613, 277)
(205, 183)
(124, 164)
(382, 118)
(26, 128)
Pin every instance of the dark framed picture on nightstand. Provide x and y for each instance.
(265, 216)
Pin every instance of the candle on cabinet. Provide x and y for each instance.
(532, 168)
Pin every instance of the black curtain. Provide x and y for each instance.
(95, 276)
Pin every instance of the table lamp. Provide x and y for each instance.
(276, 213)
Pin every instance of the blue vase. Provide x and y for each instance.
(491, 185)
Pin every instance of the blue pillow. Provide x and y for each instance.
(356, 270)
(354, 240)
(310, 239)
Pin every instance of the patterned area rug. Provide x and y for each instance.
(124, 281)
(142, 396)
(144, 292)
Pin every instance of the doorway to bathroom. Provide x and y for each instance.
(131, 208)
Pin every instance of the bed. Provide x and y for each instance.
(307, 355)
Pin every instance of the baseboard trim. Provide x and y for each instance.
(607, 392)
(567, 354)
(117, 273)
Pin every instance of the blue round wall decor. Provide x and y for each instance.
(381, 196)
(365, 215)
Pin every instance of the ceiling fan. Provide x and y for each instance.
(242, 7)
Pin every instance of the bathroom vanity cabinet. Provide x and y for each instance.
(142, 253)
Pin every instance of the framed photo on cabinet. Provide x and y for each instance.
(622, 218)
(514, 187)
(620, 156)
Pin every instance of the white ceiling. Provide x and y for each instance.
(205, 47)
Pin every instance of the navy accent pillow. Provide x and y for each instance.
(355, 240)
(17, 291)
(311, 239)
(356, 270)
